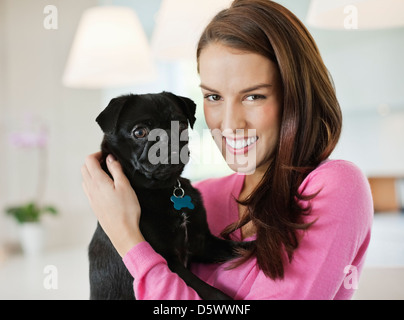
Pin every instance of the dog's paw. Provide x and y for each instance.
(243, 246)
(247, 245)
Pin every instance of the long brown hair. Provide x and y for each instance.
(310, 127)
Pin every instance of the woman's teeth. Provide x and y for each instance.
(241, 143)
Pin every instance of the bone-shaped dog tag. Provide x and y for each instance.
(180, 200)
(184, 202)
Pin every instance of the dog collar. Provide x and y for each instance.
(179, 198)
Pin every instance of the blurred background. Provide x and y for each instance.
(61, 63)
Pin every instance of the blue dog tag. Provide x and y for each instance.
(180, 200)
(184, 202)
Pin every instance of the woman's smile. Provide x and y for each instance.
(240, 145)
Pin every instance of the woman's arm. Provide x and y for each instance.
(117, 209)
(113, 201)
(153, 278)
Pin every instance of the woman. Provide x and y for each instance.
(267, 94)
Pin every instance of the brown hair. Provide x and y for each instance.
(310, 127)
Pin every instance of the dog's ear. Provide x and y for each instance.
(108, 118)
(186, 105)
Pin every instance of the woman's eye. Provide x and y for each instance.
(213, 97)
(254, 97)
(140, 132)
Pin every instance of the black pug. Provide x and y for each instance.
(148, 135)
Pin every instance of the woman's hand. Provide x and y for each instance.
(114, 202)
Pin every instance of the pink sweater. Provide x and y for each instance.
(326, 264)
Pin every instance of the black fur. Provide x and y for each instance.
(161, 224)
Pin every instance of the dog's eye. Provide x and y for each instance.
(183, 126)
(140, 132)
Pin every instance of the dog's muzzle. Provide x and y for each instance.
(160, 161)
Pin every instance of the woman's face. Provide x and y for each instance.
(242, 101)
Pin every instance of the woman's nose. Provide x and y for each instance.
(233, 117)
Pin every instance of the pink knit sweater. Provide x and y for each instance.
(326, 265)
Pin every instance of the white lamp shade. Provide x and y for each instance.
(110, 49)
(180, 24)
(371, 14)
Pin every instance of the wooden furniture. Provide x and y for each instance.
(388, 193)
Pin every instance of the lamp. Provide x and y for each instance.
(371, 14)
(110, 49)
(179, 25)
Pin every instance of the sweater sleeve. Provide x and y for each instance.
(330, 256)
(153, 279)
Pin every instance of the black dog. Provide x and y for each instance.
(148, 135)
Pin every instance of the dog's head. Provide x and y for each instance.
(148, 135)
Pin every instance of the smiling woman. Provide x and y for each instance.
(267, 96)
(264, 72)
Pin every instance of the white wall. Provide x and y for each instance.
(374, 142)
(368, 70)
(34, 59)
(2, 113)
